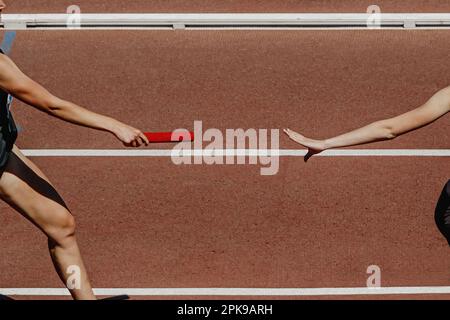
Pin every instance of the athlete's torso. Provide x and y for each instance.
(8, 130)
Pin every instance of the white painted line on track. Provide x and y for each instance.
(234, 152)
(232, 291)
(103, 20)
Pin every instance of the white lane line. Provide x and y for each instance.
(235, 152)
(180, 20)
(232, 291)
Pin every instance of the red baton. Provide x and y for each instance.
(161, 137)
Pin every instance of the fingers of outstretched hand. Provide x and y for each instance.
(308, 143)
(144, 138)
(138, 139)
(289, 133)
(295, 136)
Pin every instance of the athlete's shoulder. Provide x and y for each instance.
(5, 61)
(8, 68)
(4, 66)
(3, 57)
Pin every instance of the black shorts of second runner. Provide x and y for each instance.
(442, 214)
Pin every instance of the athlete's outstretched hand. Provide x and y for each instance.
(314, 146)
(129, 136)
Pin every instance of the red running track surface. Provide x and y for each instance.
(313, 225)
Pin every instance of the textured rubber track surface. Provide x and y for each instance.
(144, 222)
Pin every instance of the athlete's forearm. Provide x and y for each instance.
(437, 106)
(75, 114)
(377, 131)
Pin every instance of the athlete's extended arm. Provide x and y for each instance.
(386, 129)
(15, 82)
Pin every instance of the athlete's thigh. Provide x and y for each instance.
(30, 163)
(28, 190)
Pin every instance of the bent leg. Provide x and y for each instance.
(25, 188)
(442, 213)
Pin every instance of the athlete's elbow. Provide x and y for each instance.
(44, 103)
(387, 130)
(391, 135)
(52, 105)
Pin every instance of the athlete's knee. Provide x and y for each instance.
(68, 224)
(62, 229)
